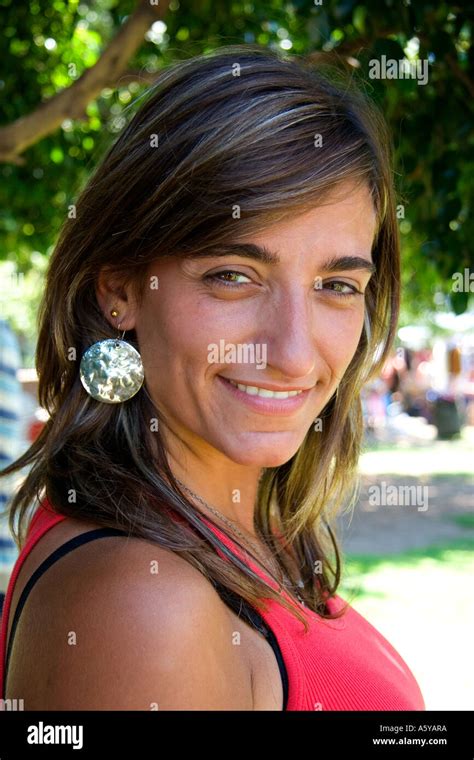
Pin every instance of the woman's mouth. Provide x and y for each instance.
(265, 400)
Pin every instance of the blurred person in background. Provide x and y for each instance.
(10, 441)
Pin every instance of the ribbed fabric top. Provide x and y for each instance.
(342, 664)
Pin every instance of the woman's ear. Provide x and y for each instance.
(113, 294)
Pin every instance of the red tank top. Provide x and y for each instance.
(341, 664)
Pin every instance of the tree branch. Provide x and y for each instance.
(72, 102)
(460, 74)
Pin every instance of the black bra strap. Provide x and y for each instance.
(230, 598)
(83, 538)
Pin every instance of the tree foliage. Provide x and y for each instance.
(49, 44)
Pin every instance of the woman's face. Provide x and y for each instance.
(291, 325)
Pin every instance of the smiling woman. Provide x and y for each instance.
(248, 204)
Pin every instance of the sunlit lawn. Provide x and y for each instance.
(423, 602)
(454, 457)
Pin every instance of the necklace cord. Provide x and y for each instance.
(288, 584)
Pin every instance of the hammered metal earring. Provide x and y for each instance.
(111, 370)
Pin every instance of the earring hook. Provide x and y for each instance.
(114, 313)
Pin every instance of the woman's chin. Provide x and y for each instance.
(263, 455)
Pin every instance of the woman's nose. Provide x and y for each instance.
(291, 340)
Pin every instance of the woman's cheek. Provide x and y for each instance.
(341, 335)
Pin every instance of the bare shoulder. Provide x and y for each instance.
(123, 624)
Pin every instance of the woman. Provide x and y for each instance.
(241, 235)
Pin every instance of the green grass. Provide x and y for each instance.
(464, 521)
(458, 550)
(422, 601)
(364, 574)
(443, 458)
(416, 462)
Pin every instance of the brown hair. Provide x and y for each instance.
(233, 127)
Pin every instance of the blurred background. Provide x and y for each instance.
(71, 76)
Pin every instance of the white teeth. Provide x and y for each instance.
(253, 390)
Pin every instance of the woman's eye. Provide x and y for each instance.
(340, 288)
(227, 278)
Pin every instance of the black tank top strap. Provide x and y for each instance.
(65, 548)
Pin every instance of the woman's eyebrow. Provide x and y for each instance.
(247, 250)
(265, 256)
(342, 263)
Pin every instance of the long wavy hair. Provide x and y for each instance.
(234, 127)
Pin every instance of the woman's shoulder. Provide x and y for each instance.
(130, 552)
(121, 565)
(122, 623)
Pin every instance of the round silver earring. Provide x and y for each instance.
(111, 370)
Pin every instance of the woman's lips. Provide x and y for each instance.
(263, 405)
